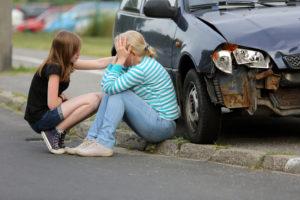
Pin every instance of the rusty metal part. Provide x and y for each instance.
(264, 74)
(272, 82)
(286, 98)
(267, 103)
(235, 89)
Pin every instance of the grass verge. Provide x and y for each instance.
(91, 46)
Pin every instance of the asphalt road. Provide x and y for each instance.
(28, 171)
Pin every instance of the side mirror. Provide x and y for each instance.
(160, 9)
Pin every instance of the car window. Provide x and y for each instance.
(172, 2)
(131, 5)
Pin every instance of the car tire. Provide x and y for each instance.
(202, 117)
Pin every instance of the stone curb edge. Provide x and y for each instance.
(181, 148)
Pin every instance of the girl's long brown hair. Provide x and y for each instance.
(64, 46)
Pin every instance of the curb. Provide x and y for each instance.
(178, 147)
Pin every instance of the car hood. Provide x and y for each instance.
(274, 30)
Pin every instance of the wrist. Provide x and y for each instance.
(61, 98)
(121, 61)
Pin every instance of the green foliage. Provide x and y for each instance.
(102, 25)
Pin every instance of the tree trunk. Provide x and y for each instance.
(5, 35)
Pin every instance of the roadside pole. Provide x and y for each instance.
(5, 35)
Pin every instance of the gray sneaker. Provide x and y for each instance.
(52, 138)
(85, 143)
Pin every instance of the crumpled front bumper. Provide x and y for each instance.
(258, 90)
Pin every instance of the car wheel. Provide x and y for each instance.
(202, 118)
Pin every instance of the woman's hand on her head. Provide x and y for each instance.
(122, 52)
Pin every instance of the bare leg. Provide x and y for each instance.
(79, 108)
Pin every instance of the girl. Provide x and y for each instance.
(140, 92)
(48, 110)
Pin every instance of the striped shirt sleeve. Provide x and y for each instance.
(116, 81)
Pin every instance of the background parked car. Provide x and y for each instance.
(17, 17)
(241, 57)
(32, 10)
(81, 16)
(43, 20)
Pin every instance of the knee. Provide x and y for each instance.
(94, 100)
(121, 95)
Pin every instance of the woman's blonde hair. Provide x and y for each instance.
(64, 46)
(138, 44)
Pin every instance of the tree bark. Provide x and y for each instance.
(5, 35)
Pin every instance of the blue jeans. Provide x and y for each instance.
(49, 120)
(139, 116)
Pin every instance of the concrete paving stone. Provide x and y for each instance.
(128, 139)
(12, 100)
(293, 166)
(196, 151)
(6, 97)
(168, 148)
(19, 103)
(82, 128)
(242, 157)
(275, 162)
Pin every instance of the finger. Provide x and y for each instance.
(120, 42)
(123, 42)
(116, 42)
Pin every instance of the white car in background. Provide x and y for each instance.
(17, 17)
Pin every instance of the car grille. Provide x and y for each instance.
(293, 61)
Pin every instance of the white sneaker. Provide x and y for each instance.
(95, 149)
(85, 143)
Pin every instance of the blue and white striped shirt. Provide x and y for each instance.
(149, 80)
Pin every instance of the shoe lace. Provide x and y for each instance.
(62, 140)
(85, 143)
(56, 140)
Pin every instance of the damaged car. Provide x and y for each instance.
(224, 56)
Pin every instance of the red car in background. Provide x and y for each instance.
(37, 24)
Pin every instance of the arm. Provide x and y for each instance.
(115, 81)
(93, 64)
(53, 99)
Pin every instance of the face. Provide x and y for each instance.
(75, 57)
(130, 60)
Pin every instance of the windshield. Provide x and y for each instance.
(205, 3)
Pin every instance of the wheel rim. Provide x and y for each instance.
(192, 107)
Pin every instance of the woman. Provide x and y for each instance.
(139, 91)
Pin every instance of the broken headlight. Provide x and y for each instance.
(253, 59)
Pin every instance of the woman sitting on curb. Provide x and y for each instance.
(139, 91)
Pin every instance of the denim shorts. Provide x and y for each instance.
(49, 120)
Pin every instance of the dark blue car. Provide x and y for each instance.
(223, 56)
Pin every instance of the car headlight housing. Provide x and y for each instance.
(223, 61)
(252, 59)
